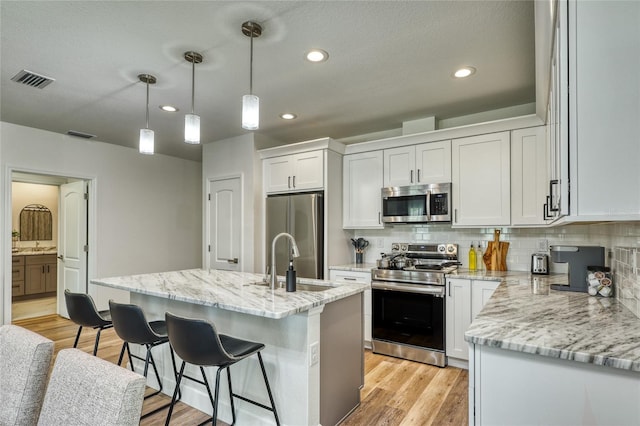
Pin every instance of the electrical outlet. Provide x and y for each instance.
(543, 245)
(314, 353)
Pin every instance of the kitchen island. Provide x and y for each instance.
(313, 337)
(539, 356)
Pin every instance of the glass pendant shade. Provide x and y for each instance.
(146, 141)
(192, 129)
(250, 112)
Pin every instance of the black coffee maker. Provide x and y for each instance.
(578, 258)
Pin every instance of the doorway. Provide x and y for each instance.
(49, 218)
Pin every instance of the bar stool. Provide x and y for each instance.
(197, 342)
(83, 312)
(131, 326)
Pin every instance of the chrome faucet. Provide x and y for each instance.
(294, 250)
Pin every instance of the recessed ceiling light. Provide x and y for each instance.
(317, 55)
(168, 108)
(288, 116)
(464, 72)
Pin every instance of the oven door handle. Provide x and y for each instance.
(437, 291)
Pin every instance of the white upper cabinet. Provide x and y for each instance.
(481, 180)
(529, 176)
(433, 162)
(292, 173)
(604, 108)
(418, 164)
(362, 181)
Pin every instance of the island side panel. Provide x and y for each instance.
(294, 382)
(516, 388)
(341, 358)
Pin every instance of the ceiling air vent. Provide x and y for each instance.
(80, 134)
(32, 79)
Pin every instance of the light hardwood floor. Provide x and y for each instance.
(396, 392)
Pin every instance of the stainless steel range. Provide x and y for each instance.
(408, 297)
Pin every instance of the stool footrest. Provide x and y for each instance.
(251, 401)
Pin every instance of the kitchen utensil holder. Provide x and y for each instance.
(359, 258)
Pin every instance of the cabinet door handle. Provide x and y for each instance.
(455, 215)
(418, 175)
(43, 269)
(294, 181)
(449, 289)
(349, 279)
(411, 176)
(15, 270)
(234, 260)
(545, 209)
(553, 207)
(288, 181)
(379, 219)
(48, 270)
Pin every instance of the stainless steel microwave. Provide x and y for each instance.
(417, 203)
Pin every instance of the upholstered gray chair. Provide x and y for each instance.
(86, 390)
(25, 358)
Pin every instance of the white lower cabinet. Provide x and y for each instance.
(465, 299)
(347, 276)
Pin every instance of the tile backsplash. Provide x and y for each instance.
(626, 278)
(523, 241)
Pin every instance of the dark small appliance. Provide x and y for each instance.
(578, 258)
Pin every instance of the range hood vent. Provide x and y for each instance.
(32, 79)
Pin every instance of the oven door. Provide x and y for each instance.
(409, 321)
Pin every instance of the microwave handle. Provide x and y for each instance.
(429, 206)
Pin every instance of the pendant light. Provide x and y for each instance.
(146, 134)
(250, 102)
(192, 121)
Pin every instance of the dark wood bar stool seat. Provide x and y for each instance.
(83, 312)
(132, 326)
(198, 343)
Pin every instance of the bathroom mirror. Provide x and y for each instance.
(36, 223)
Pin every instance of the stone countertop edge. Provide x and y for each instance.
(233, 291)
(525, 315)
(354, 267)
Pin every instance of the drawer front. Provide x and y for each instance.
(17, 273)
(350, 276)
(17, 260)
(17, 288)
(38, 259)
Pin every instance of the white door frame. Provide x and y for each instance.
(5, 231)
(207, 223)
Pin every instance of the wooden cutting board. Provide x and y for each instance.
(495, 257)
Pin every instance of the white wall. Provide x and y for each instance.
(234, 157)
(148, 209)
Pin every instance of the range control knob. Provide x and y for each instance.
(451, 248)
(395, 247)
(442, 248)
(404, 247)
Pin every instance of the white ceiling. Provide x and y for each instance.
(390, 61)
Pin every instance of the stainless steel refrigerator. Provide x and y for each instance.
(301, 215)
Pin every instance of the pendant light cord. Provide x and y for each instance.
(193, 84)
(251, 66)
(147, 103)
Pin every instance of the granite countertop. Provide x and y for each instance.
(32, 252)
(234, 291)
(525, 315)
